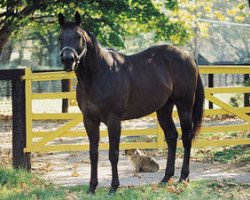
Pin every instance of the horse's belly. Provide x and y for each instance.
(137, 114)
(143, 105)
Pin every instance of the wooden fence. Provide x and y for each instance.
(37, 141)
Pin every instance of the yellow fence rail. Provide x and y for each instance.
(37, 141)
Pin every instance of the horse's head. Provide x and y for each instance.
(72, 44)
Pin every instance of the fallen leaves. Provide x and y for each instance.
(185, 183)
(215, 137)
(75, 174)
(177, 188)
(71, 196)
(231, 190)
(154, 187)
(24, 187)
(171, 189)
(5, 117)
(204, 151)
(75, 166)
(128, 186)
(171, 186)
(171, 181)
(5, 156)
(45, 168)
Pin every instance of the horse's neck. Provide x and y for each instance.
(85, 73)
(93, 64)
(89, 67)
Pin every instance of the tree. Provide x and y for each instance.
(15, 14)
(110, 20)
(6, 53)
(227, 32)
(212, 24)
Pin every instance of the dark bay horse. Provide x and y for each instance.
(113, 87)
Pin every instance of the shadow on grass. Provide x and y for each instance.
(239, 155)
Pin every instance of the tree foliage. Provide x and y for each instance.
(188, 13)
(110, 20)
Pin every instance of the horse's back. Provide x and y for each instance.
(163, 59)
(175, 66)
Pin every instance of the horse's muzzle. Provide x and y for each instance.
(68, 60)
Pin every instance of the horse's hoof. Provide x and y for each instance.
(165, 180)
(183, 179)
(162, 184)
(91, 191)
(112, 190)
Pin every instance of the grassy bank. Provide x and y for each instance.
(236, 155)
(18, 184)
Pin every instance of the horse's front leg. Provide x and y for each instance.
(114, 132)
(92, 128)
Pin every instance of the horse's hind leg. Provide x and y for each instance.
(114, 132)
(92, 129)
(185, 107)
(166, 122)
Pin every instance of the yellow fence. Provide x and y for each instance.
(45, 140)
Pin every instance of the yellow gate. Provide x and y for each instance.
(37, 141)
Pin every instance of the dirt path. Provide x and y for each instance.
(74, 169)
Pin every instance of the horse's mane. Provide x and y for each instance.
(92, 37)
(95, 41)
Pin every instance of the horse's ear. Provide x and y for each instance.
(77, 18)
(61, 19)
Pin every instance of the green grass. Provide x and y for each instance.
(141, 139)
(21, 185)
(237, 155)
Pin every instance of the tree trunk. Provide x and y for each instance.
(5, 33)
(52, 50)
(6, 54)
(13, 18)
(20, 58)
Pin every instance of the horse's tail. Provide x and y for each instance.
(198, 106)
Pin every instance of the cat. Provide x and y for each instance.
(141, 162)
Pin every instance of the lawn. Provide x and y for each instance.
(234, 155)
(19, 184)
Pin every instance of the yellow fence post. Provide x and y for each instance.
(28, 107)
